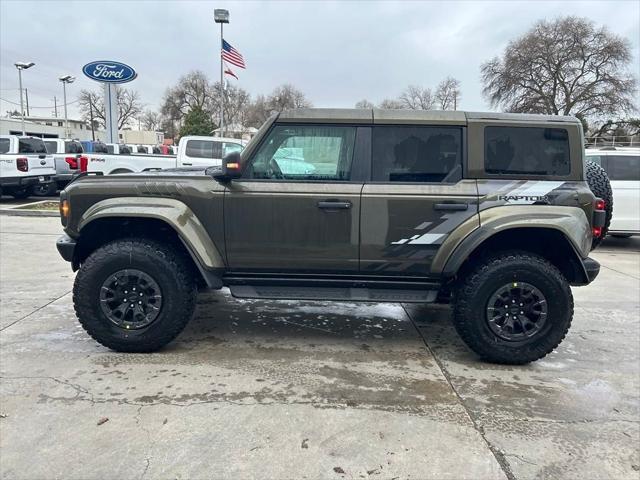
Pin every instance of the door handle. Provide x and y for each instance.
(451, 206)
(334, 205)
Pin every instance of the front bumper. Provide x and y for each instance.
(591, 268)
(66, 247)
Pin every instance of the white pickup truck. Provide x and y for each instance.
(622, 165)
(24, 164)
(192, 151)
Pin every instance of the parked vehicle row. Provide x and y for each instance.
(24, 164)
(66, 158)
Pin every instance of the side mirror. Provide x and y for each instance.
(230, 168)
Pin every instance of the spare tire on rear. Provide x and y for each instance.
(601, 187)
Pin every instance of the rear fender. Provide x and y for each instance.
(571, 222)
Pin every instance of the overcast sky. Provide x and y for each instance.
(337, 53)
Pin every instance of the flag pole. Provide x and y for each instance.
(221, 82)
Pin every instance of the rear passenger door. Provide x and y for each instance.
(416, 198)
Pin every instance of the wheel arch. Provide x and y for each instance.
(548, 242)
(160, 218)
(560, 234)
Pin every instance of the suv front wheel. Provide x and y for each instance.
(513, 308)
(135, 295)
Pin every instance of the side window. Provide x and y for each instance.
(157, 151)
(5, 144)
(141, 149)
(72, 147)
(110, 149)
(52, 146)
(124, 150)
(305, 152)
(623, 167)
(204, 149)
(526, 150)
(417, 154)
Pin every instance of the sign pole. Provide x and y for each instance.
(221, 82)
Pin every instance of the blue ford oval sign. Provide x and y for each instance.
(109, 72)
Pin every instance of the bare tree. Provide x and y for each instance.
(92, 103)
(193, 91)
(257, 112)
(286, 97)
(391, 104)
(567, 66)
(448, 94)
(415, 97)
(364, 103)
(236, 104)
(150, 120)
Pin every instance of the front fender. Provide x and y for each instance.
(171, 211)
(570, 221)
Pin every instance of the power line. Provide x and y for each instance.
(49, 107)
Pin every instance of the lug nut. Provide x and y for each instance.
(140, 303)
(132, 305)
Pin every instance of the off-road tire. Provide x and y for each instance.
(169, 267)
(45, 190)
(473, 292)
(600, 185)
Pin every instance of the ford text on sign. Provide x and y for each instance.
(109, 72)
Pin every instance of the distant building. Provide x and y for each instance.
(237, 131)
(48, 127)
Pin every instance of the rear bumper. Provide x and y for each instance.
(591, 268)
(66, 247)
(25, 181)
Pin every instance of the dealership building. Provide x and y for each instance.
(53, 127)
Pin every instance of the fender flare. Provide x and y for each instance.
(174, 213)
(570, 221)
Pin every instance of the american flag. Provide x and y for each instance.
(231, 55)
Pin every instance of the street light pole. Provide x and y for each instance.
(66, 79)
(22, 66)
(221, 16)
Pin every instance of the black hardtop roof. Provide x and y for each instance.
(440, 117)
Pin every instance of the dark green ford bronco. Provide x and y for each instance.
(491, 212)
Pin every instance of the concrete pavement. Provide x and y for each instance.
(310, 389)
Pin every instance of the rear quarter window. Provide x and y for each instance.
(526, 151)
(623, 167)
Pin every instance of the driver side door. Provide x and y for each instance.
(296, 207)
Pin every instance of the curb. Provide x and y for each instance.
(28, 213)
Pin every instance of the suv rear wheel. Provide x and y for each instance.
(135, 295)
(513, 308)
